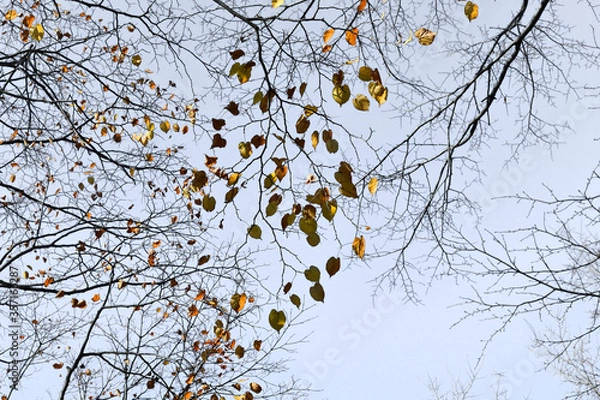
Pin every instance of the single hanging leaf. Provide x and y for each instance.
(10, 15)
(236, 54)
(328, 34)
(372, 186)
(255, 232)
(425, 36)
(341, 94)
(209, 203)
(352, 36)
(314, 138)
(361, 6)
(245, 149)
(295, 300)
(276, 3)
(365, 73)
(379, 92)
(233, 108)
(37, 32)
(302, 88)
(471, 10)
(361, 102)
(218, 124)
(238, 301)
(240, 351)
(165, 126)
(302, 124)
(276, 319)
(359, 245)
(257, 97)
(317, 292)
(136, 60)
(312, 274)
(313, 239)
(333, 266)
(255, 387)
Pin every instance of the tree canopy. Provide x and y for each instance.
(168, 167)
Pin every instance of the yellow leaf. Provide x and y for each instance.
(10, 15)
(361, 102)
(233, 178)
(358, 245)
(341, 94)
(136, 60)
(276, 3)
(277, 319)
(352, 36)
(245, 149)
(165, 126)
(425, 36)
(255, 232)
(471, 10)
(314, 138)
(270, 180)
(310, 110)
(364, 73)
(238, 301)
(257, 97)
(379, 92)
(37, 32)
(328, 34)
(373, 183)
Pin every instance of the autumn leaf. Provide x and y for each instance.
(312, 274)
(218, 124)
(165, 126)
(358, 245)
(365, 73)
(333, 266)
(218, 141)
(233, 108)
(328, 34)
(471, 10)
(295, 300)
(37, 32)
(341, 94)
(361, 6)
(209, 203)
(10, 15)
(277, 319)
(236, 54)
(28, 21)
(96, 297)
(352, 36)
(302, 124)
(237, 302)
(255, 387)
(255, 232)
(379, 92)
(361, 102)
(317, 292)
(372, 186)
(136, 60)
(276, 3)
(425, 36)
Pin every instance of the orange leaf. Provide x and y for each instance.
(362, 5)
(96, 297)
(358, 245)
(328, 34)
(352, 36)
(28, 21)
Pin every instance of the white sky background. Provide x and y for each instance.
(381, 347)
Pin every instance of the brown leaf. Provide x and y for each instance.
(233, 108)
(258, 141)
(218, 124)
(218, 141)
(236, 54)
